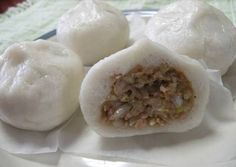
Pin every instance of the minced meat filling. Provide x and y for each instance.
(148, 96)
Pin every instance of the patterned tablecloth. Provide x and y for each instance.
(33, 18)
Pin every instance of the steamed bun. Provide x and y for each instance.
(94, 30)
(40, 83)
(137, 25)
(138, 104)
(196, 29)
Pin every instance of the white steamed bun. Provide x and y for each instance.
(196, 29)
(137, 25)
(40, 83)
(94, 30)
(97, 85)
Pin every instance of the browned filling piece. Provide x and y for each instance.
(148, 96)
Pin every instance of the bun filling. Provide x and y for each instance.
(147, 97)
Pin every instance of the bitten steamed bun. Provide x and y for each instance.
(40, 83)
(144, 89)
(196, 29)
(94, 30)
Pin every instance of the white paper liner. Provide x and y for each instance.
(212, 142)
(229, 79)
(71, 160)
(20, 141)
